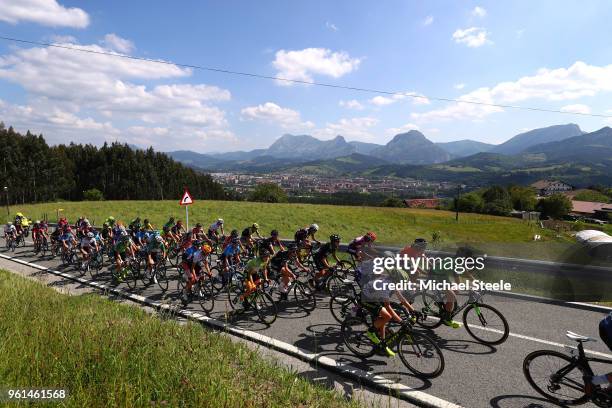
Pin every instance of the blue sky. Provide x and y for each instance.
(550, 54)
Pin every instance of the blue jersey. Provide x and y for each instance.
(231, 249)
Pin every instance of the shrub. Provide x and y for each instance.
(556, 206)
(93, 195)
(268, 193)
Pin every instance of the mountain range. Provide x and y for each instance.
(556, 151)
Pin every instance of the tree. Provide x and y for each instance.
(555, 206)
(523, 198)
(592, 195)
(268, 193)
(470, 202)
(497, 201)
(93, 195)
(393, 202)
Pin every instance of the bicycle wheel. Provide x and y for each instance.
(233, 295)
(354, 334)
(264, 307)
(342, 302)
(206, 295)
(162, 276)
(335, 280)
(485, 324)
(428, 304)
(304, 296)
(555, 376)
(217, 278)
(133, 274)
(83, 268)
(421, 355)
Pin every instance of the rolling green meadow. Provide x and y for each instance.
(394, 226)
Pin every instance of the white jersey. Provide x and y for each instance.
(9, 228)
(87, 242)
(215, 226)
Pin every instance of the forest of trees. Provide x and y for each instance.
(36, 172)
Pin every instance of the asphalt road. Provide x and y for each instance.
(476, 375)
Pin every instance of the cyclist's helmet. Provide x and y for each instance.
(90, 235)
(335, 238)
(171, 219)
(159, 238)
(207, 249)
(234, 233)
(220, 220)
(145, 222)
(313, 227)
(264, 253)
(255, 226)
(420, 243)
(85, 221)
(371, 236)
(198, 225)
(274, 233)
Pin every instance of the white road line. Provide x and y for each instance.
(419, 397)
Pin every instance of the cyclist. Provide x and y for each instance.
(303, 236)
(134, 226)
(61, 222)
(88, 243)
(605, 332)
(67, 238)
(230, 253)
(253, 277)
(155, 248)
(197, 233)
(246, 237)
(124, 248)
(355, 247)
(178, 230)
(10, 231)
(170, 223)
(280, 264)
(320, 259)
(110, 221)
(118, 231)
(107, 232)
(228, 239)
(18, 223)
(271, 242)
(147, 225)
(213, 230)
(39, 232)
(195, 264)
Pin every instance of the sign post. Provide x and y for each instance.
(186, 201)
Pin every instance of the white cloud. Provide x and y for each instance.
(63, 39)
(92, 86)
(428, 20)
(402, 129)
(114, 42)
(351, 104)
(331, 26)
(45, 12)
(303, 64)
(459, 86)
(382, 100)
(576, 108)
(472, 37)
(479, 12)
(417, 99)
(561, 84)
(352, 129)
(273, 113)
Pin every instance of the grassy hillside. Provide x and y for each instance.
(394, 226)
(112, 355)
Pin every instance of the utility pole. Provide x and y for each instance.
(459, 188)
(8, 212)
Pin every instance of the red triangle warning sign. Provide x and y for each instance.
(186, 200)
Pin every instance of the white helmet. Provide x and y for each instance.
(90, 235)
(86, 221)
(314, 227)
(220, 220)
(158, 238)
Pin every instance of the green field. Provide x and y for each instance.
(111, 355)
(394, 226)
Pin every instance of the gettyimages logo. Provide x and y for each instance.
(413, 264)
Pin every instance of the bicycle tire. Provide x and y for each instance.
(474, 334)
(342, 302)
(233, 295)
(354, 339)
(265, 307)
(206, 295)
(431, 310)
(421, 347)
(304, 296)
(579, 385)
(162, 276)
(132, 279)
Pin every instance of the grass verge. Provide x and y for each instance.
(111, 355)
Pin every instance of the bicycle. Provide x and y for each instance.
(202, 290)
(419, 353)
(258, 299)
(302, 292)
(563, 375)
(10, 244)
(478, 318)
(69, 256)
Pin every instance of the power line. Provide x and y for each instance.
(297, 81)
